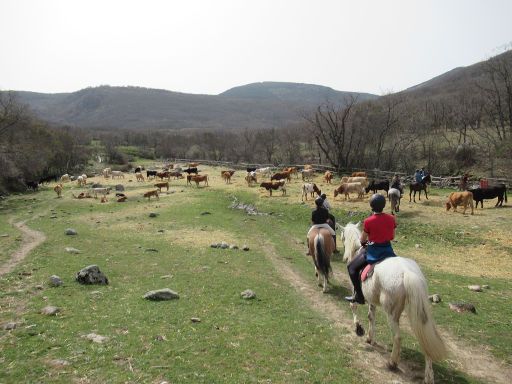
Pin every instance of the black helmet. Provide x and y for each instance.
(377, 202)
(319, 201)
(323, 196)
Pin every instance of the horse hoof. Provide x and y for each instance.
(359, 330)
(393, 367)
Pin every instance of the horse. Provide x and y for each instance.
(321, 247)
(397, 283)
(394, 197)
(418, 187)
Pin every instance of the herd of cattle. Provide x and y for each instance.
(358, 183)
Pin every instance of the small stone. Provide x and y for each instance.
(151, 250)
(224, 245)
(50, 310)
(166, 277)
(161, 294)
(245, 248)
(70, 232)
(55, 281)
(462, 307)
(119, 187)
(153, 214)
(248, 294)
(195, 319)
(205, 213)
(160, 338)
(233, 246)
(435, 298)
(59, 363)
(417, 245)
(161, 231)
(95, 338)
(475, 288)
(73, 250)
(9, 326)
(53, 217)
(39, 287)
(214, 245)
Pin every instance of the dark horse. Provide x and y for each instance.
(418, 187)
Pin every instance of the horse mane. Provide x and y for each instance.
(351, 236)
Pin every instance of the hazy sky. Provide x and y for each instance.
(209, 46)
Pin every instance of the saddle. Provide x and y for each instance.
(367, 271)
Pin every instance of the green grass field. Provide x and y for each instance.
(277, 337)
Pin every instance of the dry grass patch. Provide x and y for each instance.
(190, 237)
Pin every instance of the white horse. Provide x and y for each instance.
(397, 283)
(394, 197)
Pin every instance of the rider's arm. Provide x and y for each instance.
(364, 237)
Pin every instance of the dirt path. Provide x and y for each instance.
(31, 239)
(372, 359)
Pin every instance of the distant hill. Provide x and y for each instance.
(260, 105)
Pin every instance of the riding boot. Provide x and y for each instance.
(354, 271)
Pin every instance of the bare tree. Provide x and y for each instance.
(11, 112)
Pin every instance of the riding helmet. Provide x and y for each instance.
(377, 202)
(323, 196)
(319, 201)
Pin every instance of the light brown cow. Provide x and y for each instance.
(162, 185)
(58, 190)
(328, 177)
(281, 176)
(139, 176)
(308, 166)
(347, 188)
(152, 193)
(307, 174)
(460, 198)
(292, 171)
(226, 175)
(359, 174)
(355, 179)
(199, 179)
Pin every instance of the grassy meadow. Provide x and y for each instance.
(277, 337)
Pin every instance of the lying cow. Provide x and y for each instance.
(375, 185)
(162, 185)
(310, 188)
(273, 186)
(460, 198)
(348, 188)
(481, 194)
(152, 193)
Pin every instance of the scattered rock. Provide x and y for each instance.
(9, 326)
(50, 310)
(205, 213)
(195, 319)
(417, 245)
(166, 277)
(153, 214)
(91, 275)
(58, 363)
(214, 245)
(95, 338)
(475, 288)
(39, 287)
(70, 232)
(151, 250)
(72, 250)
(161, 294)
(53, 217)
(462, 307)
(4, 235)
(485, 286)
(55, 281)
(161, 231)
(224, 245)
(248, 294)
(233, 246)
(245, 247)
(435, 298)
(119, 187)
(160, 338)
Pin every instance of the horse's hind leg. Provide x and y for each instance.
(324, 290)
(371, 326)
(429, 372)
(395, 353)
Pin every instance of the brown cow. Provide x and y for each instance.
(161, 185)
(164, 175)
(292, 171)
(58, 190)
(328, 177)
(281, 176)
(308, 166)
(175, 174)
(152, 193)
(359, 174)
(226, 175)
(460, 198)
(347, 188)
(271, 185)
(200, 178)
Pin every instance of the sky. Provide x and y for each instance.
(209, 46)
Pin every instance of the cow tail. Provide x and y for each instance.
(505, 194)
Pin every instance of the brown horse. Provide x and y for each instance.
(418, 187)
(321, 247)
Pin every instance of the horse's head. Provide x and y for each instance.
(350, 236)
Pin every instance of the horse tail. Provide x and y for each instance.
(322, 260)
(420, 317)
(505, 194)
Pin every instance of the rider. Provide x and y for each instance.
(395, 183)
(332, 219)
(319, 218)
(418, 176)
(379, 230)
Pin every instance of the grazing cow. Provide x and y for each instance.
(65, 178)
(152, 193)
(375, 185)
(34, 185)
(292, 171)
(161, 185)
(328, 177)
(199, 179)
(103, 191)
(347, 188)
(499, 191)
(117, 174)
(139, 176)
(191, 170)
(460, 198)
(271, 185)
(107, 172)
(175, 174)
(281, 176)
(151, 174)
(394, 196)
(164, 175)
(359, 174)
(58, 189)
(82, 182)
(310, 188)
(193, 165)
(355, 179)
(307, 174)
(251, 177)
(226, 176)
(251, 169)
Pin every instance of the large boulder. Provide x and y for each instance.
(91, 275)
